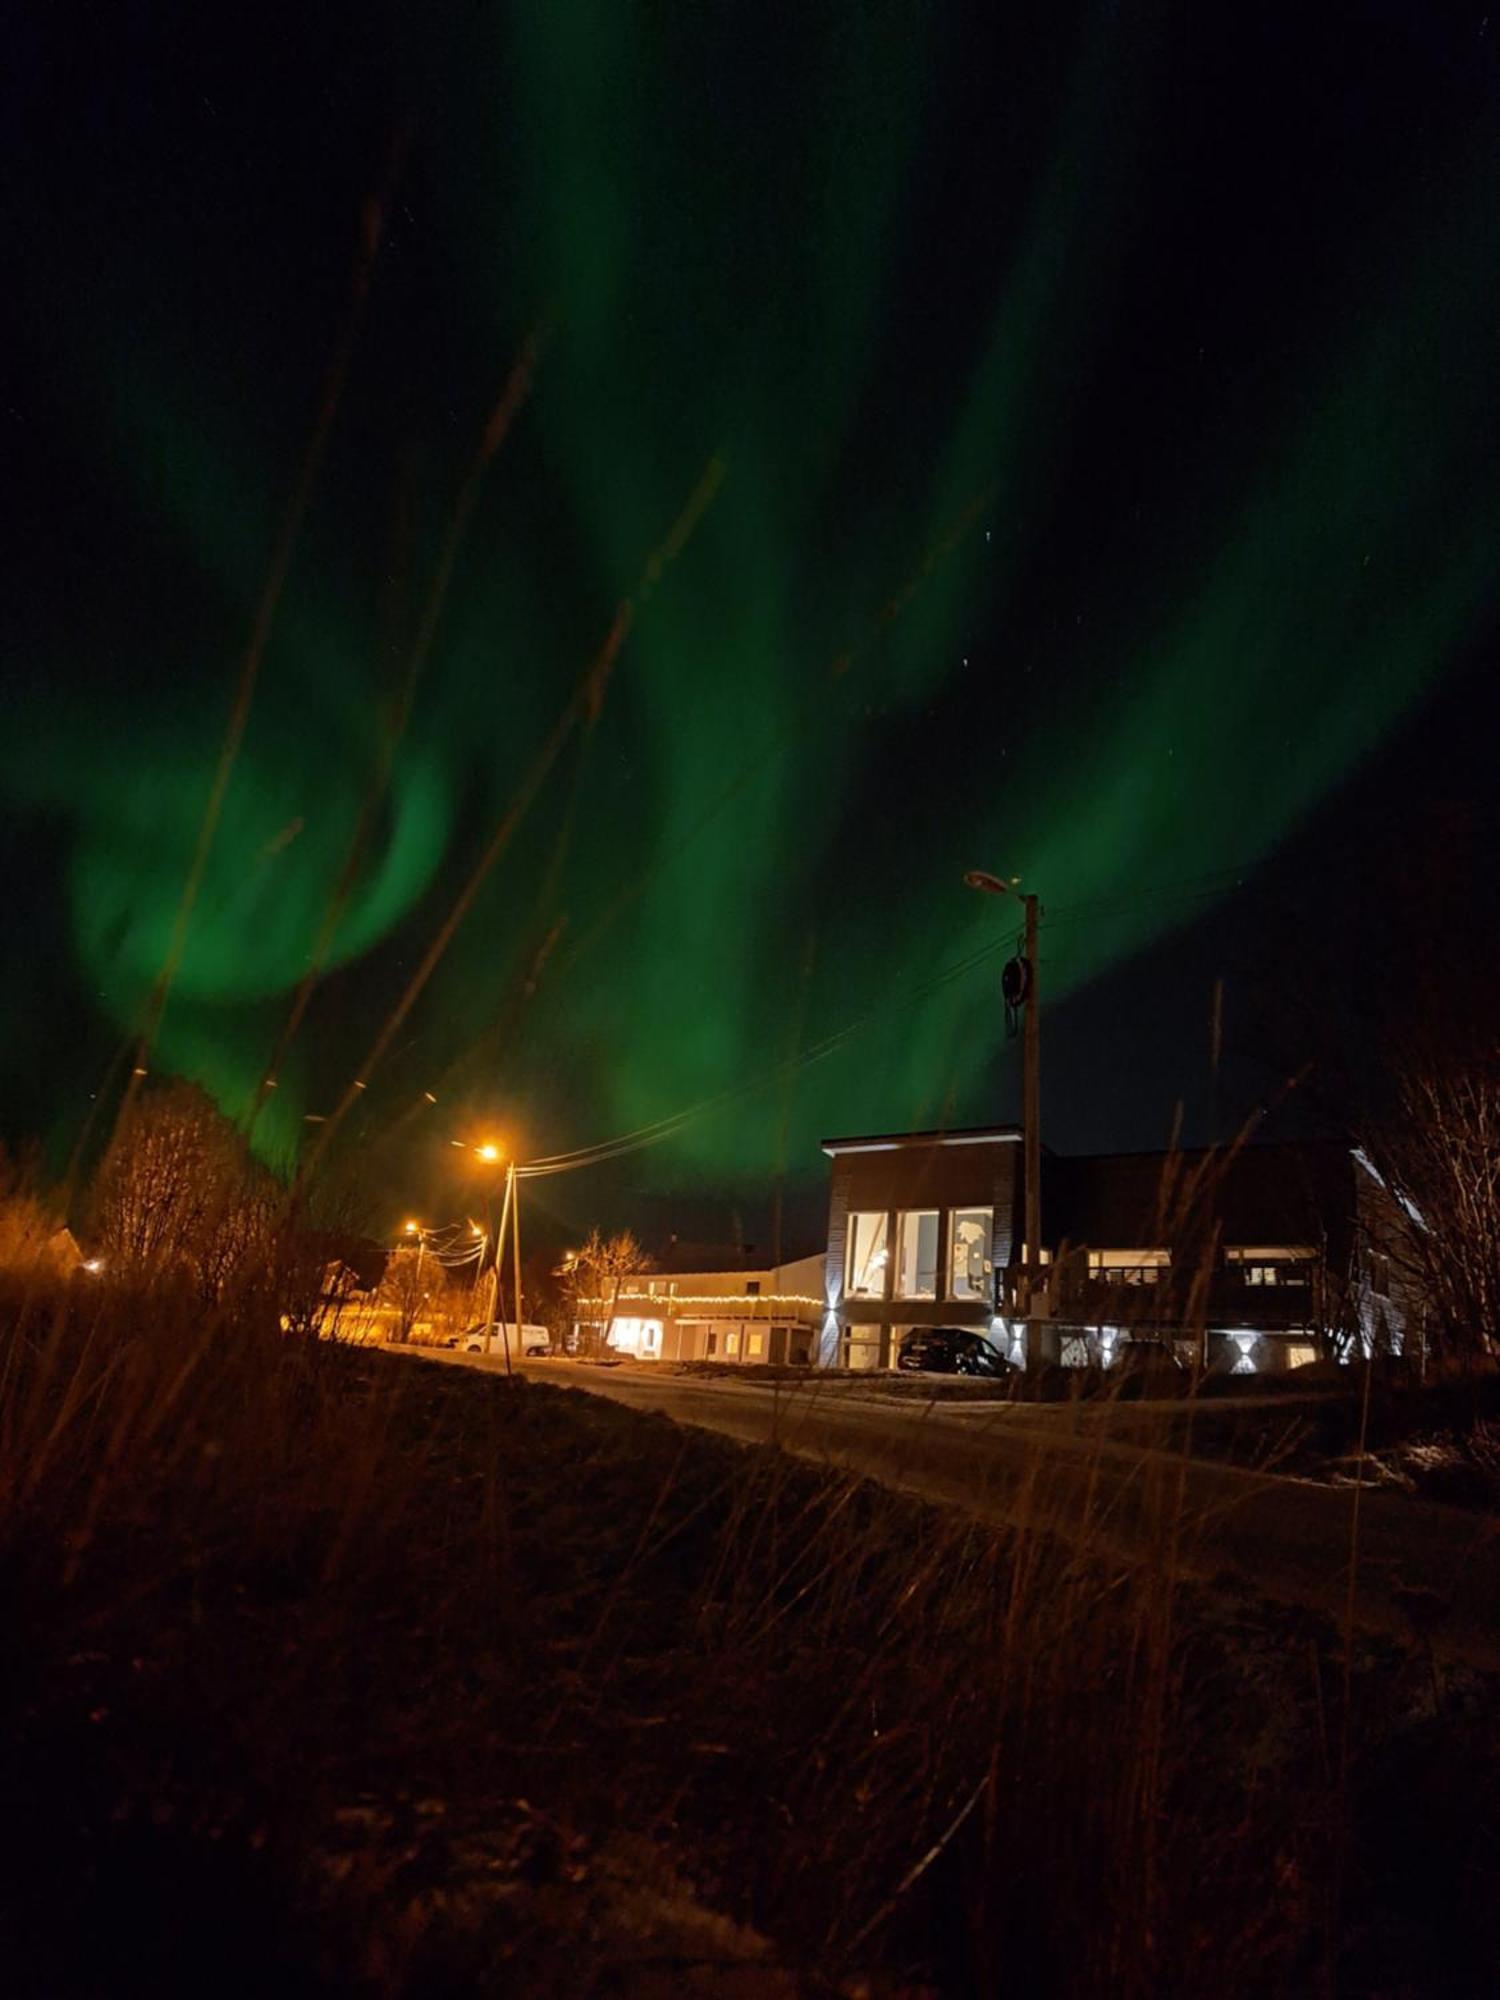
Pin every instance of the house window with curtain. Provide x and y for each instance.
(917, 1254)
(869, 1254)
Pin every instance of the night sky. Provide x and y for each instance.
(1060, 441)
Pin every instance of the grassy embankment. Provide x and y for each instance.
(326, 1671)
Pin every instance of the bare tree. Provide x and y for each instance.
(598, 1272)
(313, 1284)
(1388, 1013)
(1436, 1151)
(177, 1194)
(410, 1279)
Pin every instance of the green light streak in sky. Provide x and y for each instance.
(724, 269)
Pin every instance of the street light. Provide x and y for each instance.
(413, 1228)
(490, 1155)
(1020, 986)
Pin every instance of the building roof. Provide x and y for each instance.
(678, 1259)
(1282, 1192)
(890, 1142)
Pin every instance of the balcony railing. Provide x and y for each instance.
(1164, 1295)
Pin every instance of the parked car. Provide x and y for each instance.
(950, 1350)
(535, 1340)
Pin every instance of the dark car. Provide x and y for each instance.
(950, 1350)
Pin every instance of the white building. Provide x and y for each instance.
(744, 1316)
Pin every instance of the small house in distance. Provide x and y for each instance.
(708, 1303)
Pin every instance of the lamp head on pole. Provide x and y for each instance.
(991, 885)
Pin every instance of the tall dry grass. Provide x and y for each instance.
(307, 1588)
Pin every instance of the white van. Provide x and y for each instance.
(502, 1337)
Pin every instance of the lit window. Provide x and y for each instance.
(636, 1336)
(869, 1253)
(731, 1343)
(755, 1343)
(970, 1271)
(917, 1255)
(1274, 1264)
(1128, 1267)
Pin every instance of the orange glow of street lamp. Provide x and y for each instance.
(488, 1151)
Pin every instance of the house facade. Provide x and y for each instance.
(1245, 1259)
(744, 1316)
(920, 1225)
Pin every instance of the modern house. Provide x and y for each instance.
(1245, 1258)
(712, 1306)
(922, 1227)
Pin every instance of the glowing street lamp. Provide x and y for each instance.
(491, 1156)
(414, 1228)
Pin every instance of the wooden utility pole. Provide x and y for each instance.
(1022, 988)
(497, 1302)
(515, 1238)
(1031, 1110)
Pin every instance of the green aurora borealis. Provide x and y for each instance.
(1015, 562)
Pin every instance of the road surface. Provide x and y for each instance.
(1085, 1472)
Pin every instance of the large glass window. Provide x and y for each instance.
(970, 1272)
(869, 1253)
(917, 1254)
